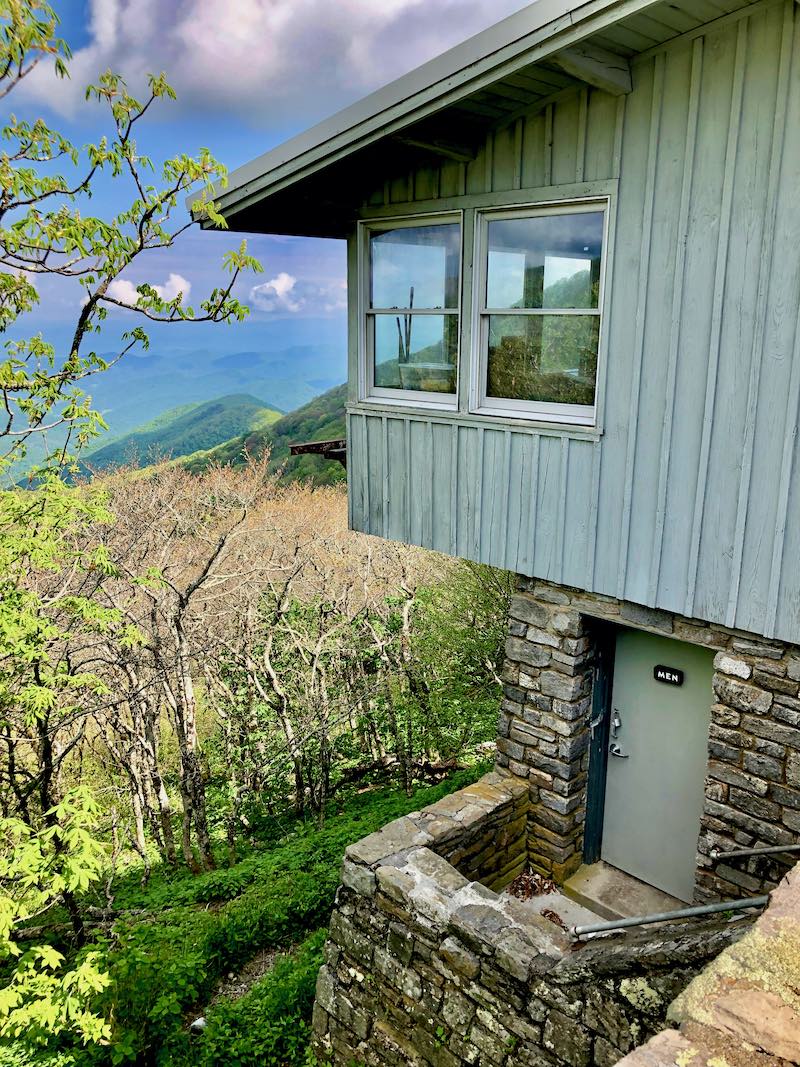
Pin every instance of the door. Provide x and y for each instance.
(657, 759)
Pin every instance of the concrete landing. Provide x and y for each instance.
(569, 911)
(613, 894)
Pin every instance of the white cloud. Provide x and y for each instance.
(276, 294)
(285, 294)
(124, 290)
(267, 60)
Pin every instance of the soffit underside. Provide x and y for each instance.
(325, 203)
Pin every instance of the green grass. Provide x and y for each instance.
(166, 961)
(270, 1024)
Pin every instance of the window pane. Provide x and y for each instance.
(415, 266)
(546, 358)
(546, 261)
(415, 352)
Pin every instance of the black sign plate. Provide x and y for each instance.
(668, 675)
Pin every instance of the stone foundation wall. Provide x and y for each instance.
(426, 967)
(427, 964)
(753, 786)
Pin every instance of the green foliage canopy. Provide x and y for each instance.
(49, 852)
(44, 232)
(37, 866)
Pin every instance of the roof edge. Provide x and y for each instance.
(434, 84)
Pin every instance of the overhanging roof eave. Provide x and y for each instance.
(419, 94)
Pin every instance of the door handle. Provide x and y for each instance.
(615, 750)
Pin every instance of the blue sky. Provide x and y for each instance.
(249, 74)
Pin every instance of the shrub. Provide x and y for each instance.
(269, 1025)
(23, 1055)
(166, 965)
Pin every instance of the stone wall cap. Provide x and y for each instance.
(547, 938)
(487, 794)
(396, 882)
(394, 838)
(448, 806)
(441, 828)
(507, 781)
(479, 925)
(432, 866)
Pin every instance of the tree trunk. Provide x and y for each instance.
(48, 801)
(139, 838)
(192, 785)
(192, 773)
(159, 789)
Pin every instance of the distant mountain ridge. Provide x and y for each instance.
(168, 377)
(322, 419)
(184, 430)
(132, 391)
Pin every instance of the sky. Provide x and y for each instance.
(248, 74)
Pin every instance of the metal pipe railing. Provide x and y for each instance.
(667, 916)
(764, 850)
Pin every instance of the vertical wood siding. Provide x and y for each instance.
(690, 498)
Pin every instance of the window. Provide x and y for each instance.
(412, 284)
(539, 284)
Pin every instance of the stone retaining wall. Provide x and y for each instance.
(753, 786)
(744, 1009)
(427, 967)
(482, 830)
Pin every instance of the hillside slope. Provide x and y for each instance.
(322, 419)
(134, 390)
(184, 430)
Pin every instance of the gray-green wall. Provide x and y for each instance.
(689, 497)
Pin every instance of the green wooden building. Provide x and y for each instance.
(574, 289)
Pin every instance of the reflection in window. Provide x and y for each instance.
(416, 352)
(541, 308)
(415, 266)
(545, 261)
(546, 358)
(412, 319)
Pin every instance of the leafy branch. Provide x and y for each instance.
(44, 233)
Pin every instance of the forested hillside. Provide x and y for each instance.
(226, 432)
(248, 689)
(184, 430)
(208, 685)
(322, 419)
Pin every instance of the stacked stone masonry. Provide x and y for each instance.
(427, 966)
(743, 1010)
(752, 794)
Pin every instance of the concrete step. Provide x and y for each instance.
(613, 894)
(570, 912)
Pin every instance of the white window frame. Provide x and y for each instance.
(541, 411)
(368, 391)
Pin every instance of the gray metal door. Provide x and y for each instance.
(657, 762)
